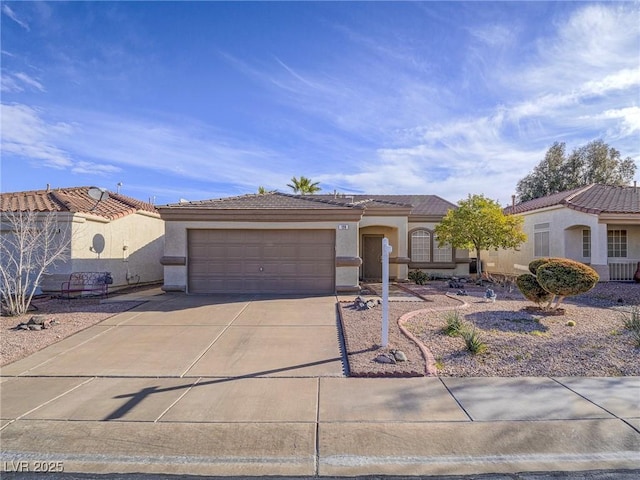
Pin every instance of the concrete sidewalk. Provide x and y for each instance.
(217, 386)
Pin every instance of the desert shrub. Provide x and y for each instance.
(453, 327)
(632, 323)
(473, 341)
(538, 262)
(419, 277)
(564, 277)
(531, 289)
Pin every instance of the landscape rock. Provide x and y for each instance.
(35, 327)
(399, 356)
(37, 320)
(384, 359)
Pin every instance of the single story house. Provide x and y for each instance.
(598, 225)
(118, 234)
(283, 243)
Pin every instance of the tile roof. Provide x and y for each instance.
(593, 198)
(266, 201)
(420, 204)
(73, 200)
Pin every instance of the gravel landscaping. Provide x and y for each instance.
(519, 340)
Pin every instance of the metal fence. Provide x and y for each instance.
(622, 270)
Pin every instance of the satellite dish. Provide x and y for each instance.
(184, 200)
(98, 194)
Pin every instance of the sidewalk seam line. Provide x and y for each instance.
(55, 398)
(215, 340)
(66, 351)
(177, 400)
(585, 398)
(457, 401)
(316, 458)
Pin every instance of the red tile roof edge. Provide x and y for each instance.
(57, 197)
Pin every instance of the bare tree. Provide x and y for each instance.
(30, 243)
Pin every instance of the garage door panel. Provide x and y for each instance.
(261, 261)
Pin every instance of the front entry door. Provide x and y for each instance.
(372, 253)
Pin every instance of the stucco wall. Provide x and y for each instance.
(565, 240)
(99, 245)
(176, 276)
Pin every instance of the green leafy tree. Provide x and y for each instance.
(595, 162)
(304, 185)
(547, 176)
(479, 224)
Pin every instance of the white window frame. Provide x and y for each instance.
(441, 255)
(586, 243)
(617, 243)
(541, 241)
(421, 246)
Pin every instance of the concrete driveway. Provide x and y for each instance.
(254, 386)
(201, 336)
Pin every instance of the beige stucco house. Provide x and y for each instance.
(281, 243)
(120, 235)
(598, 225)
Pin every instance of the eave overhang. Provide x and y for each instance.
(619, 218)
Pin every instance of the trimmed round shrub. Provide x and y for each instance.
(531, 289)
(566, 277)
(538, 262)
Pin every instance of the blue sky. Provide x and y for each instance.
(201, 100)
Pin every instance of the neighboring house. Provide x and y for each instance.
(282, 243)
(598, 225)
(120, 235)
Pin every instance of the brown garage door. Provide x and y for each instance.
(262, 261)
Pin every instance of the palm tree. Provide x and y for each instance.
(262, 190)
(304, 185)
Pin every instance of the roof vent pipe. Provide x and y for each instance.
(513, 202)
(48, 187)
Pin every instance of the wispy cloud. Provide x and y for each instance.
(26, 134)
(391, 111)
(12, 15)
(601, 45)
(93, 168)
(16, 82)
(28, 80)
(90, 142)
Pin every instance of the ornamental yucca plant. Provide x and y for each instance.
(473, 341)
(453, 327)
(632, 323)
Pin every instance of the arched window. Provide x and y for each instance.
(420, 246)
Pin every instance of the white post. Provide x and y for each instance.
(386, 249)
